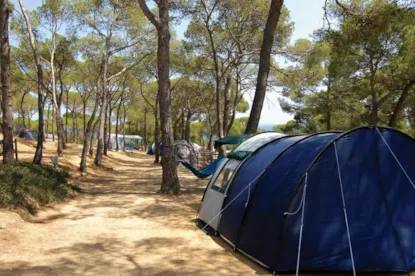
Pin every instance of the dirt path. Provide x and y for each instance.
(118, 227)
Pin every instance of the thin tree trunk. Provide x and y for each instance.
(109, 128)
(8, 150)
(328, 107)
(67, 110)
(102, 112)
(73, 127)
(156, 133)
(264, 66)
(116, 127)
(227, 100)
(374, 111)
(123, 137)
(187, 127)
(64, 136)
(397, 111)
(47, 121)
(106, 127)
(53, 122)
(39, 147)
(145, 130)
(91, 145)
(88, 136)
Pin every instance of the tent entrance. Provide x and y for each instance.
(216, 193)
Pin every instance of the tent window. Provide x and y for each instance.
(222, 180)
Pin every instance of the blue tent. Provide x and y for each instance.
(325, 202)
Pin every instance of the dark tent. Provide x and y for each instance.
(28, 134)
(325, 202)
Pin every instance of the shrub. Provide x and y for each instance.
(29, 185)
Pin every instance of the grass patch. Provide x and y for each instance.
(30, 185)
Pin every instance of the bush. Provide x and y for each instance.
(30, 185)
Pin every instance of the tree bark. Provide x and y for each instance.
(264, 66)
(102, 112)
(116, 128)
(227, 100)
(170, 183)
(88, 134)
(156, 132)
(397, 111)
(145, 130)
(106, 127)
(123, 129)
(8, 149)
(41, 127)
(187, 127)
(108, 141)
(47, 121)
(91, 147)
(328, 107)
(64, 133)
(374, 111)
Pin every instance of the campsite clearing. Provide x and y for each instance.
(117, 226)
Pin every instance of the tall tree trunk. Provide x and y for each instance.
(47, 121)
(58, 118)
(8, 151)
(91, 145)
(84, 118)
(73, 127)
(328, 107)
(106, 127)
(109, 128)
(264, 66)
(183, 124)
(64, 136)
(170, 183)
(227, 100)
(66, 119)
(103, 111)
(235, 104)
(40, 103)
(397, 111)
(156, 132)
(374, 111)
(53, 124)
(88, 135)
(117, 145)
(187, 127)
(145, 130)
(123, 129)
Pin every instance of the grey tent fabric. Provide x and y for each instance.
(185, 152)
(28, 134)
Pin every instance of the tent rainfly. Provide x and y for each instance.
(325, 202)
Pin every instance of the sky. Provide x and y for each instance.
(307, 16)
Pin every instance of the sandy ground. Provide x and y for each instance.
(118, 226)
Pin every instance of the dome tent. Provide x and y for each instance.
(325, 202)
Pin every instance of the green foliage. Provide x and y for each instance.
(25, 184)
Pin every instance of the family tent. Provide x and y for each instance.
(130, 141)
(331, 201)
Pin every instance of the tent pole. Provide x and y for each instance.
(396, 158)
(344, 208)
(300, 239)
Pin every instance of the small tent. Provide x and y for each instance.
(185, 151)
(28, 134)
(325, 202)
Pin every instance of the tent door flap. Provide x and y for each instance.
(210, 211)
